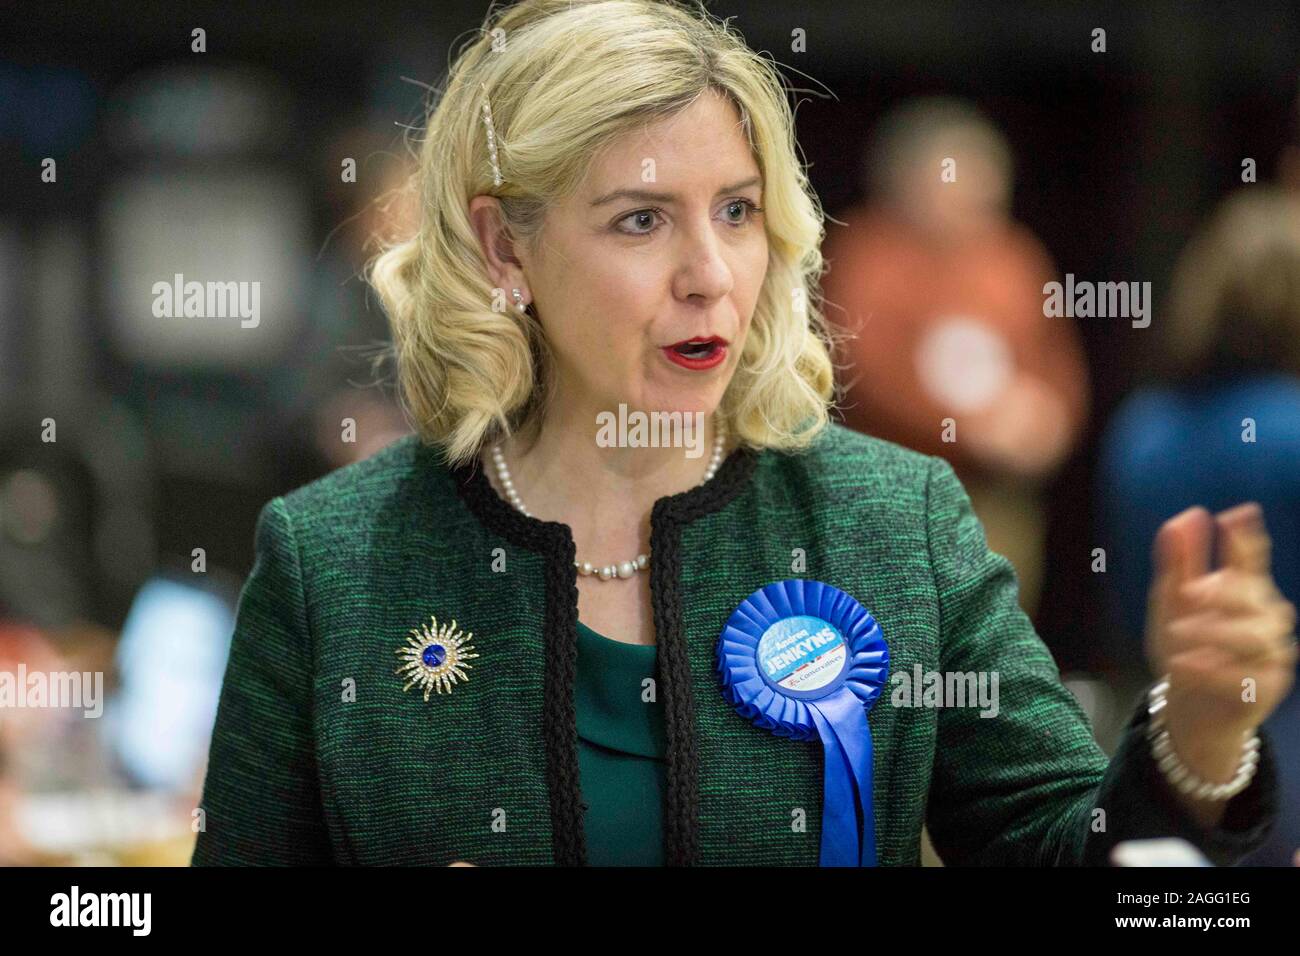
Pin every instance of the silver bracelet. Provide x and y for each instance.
(1176, 772)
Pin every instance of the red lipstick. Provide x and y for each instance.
(697, 354)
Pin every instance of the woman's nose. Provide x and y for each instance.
(704, 269)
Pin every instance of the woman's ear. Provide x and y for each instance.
(495, 242)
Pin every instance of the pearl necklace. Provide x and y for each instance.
(624, 569)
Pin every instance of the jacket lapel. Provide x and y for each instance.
(553, 542)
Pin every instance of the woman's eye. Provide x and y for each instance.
(643, 220)
(745, 206)
(639, 218)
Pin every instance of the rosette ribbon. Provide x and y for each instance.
(804, 659)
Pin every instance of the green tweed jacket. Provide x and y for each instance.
(320, 756)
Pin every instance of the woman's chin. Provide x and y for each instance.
(680, 394)
(704, 404)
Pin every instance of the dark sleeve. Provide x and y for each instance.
(1029, 785)
(261, 797)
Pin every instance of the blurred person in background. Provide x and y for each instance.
(1223, 425)
(943, 293)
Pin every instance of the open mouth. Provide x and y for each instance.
(696, 349)
(698, 353)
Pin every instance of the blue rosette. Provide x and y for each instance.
(805, 660)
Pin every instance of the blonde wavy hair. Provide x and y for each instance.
(564, 78)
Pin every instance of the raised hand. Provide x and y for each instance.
(1225, 637)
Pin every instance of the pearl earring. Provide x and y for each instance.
(519, 300)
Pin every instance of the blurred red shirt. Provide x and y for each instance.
(941, 326)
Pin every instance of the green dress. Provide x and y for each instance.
(621, 751)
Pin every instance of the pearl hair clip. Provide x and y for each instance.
(491, 137)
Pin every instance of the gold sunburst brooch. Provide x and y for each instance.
(435, 657)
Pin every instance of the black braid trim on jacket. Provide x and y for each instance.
(554, 541)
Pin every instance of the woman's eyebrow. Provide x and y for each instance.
(646, 195)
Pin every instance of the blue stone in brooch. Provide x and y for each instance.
(436, 657)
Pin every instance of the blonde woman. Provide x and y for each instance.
(531, 634)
